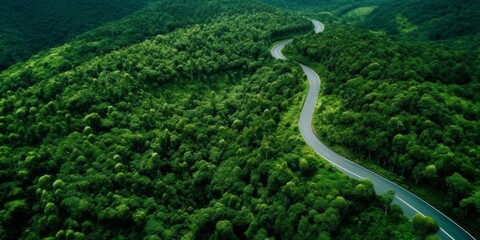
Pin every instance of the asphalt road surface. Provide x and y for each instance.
(409, 202)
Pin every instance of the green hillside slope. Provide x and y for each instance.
(409, 107)
(158, 18)
(188, 135)
(29, 26)
(427, 20)
(317, 6)
(434, 20)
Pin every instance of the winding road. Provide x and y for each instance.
(410, 203)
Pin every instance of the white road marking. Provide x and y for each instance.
(277, 53)
(441, 229)
(414, 209)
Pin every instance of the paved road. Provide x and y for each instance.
(410, 203)
(318, 26)
(277, 49)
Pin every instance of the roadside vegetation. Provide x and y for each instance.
(411, 108)
(188, 135)
(170, 120)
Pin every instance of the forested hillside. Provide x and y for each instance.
(29, 26)
(411, 107)
(434, 20)
(427, 20)
(318, 6)
(161, 17)
(187, 135)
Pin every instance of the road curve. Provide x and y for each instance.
(409, 202)
(318, 26)
(277, 49)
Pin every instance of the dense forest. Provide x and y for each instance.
(434, 20)
(411, 107)
(337, 7)
(187, 134)
(29, 26)
(426, 20)
(161, 17)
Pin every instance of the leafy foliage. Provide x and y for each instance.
(315, 6)
(30, 26)
(186, 135)
(454, 21)
(158, 18)
(410, 107)
(424, 226)
(440, 19)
